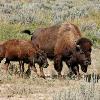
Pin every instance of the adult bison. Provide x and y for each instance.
(24, 52)
(58, 41)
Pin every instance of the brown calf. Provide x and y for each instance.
(24, 52)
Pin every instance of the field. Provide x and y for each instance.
(17, 15)
(15, 88)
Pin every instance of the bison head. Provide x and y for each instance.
(77, 58)
(41, 59)
(84, 46)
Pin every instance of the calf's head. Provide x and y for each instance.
(41, 59)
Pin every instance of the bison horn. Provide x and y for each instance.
(77, 47)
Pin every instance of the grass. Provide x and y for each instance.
(12, 31)
(29, 14)
(81, 90)
(50, 89)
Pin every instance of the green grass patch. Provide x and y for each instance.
(13, 31)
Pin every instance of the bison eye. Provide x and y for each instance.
(90, 50)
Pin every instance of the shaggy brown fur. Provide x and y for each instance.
(57, 41)
(21, 50)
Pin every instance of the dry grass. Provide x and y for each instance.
(17, 15)
(15, 88)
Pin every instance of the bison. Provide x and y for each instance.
(58, 41)
(24, 52)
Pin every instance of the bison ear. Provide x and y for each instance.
(80, 41)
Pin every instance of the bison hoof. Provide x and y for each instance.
(42, 76)
(60, 77)
(28, 73)
(78, 77)
(70, 74)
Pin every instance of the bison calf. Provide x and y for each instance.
(24, 52)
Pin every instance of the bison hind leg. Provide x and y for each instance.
(28, 73)
(58, 65)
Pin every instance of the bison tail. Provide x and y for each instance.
(27, 32)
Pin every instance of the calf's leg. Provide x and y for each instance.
(6, 64)
(28, 72)
(42, 72)
(21, 68)
(31, 66)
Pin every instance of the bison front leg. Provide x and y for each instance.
(28, 72)
(78, 74)
(70, 73)
(42, 72)
(58, 64)
(75, 70)
(21, 67)
(35, 70)
(31, 66)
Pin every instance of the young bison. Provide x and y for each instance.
(24, 52)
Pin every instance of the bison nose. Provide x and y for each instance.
(87, 63)
(85, 70)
